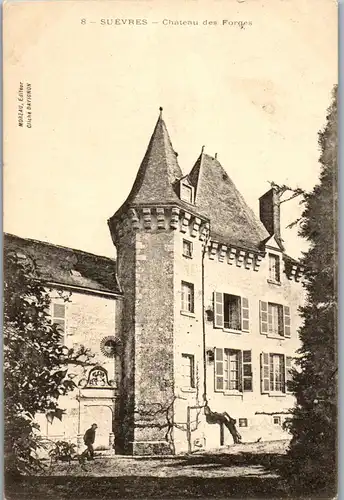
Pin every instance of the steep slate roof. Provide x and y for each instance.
(55, 263)
(216, 197)
(158, 171)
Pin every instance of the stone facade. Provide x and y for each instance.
(90, 320)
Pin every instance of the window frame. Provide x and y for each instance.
(190, 246)
(222, 367)
(219, 312)
(191, 358)
(242, 420)
(277, 369)
(266, 317)
(274, 268)
(60, 318)
(191, 289)
(190, 189)
(278, 418)
(265, 374)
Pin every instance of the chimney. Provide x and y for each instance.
(269, 212)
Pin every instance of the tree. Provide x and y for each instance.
(36, 364)
(314, 419)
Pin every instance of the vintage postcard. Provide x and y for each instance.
(170, 276)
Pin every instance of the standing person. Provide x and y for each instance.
(89, 438)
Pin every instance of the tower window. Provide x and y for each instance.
(277, 420)
(187, 297)
(243, 422)
(187, 248)
(188, 370)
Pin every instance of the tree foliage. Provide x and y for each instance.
(314, 421)
(36, 364)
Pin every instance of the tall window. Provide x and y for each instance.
(233, 370)
(186, 193)
(275, 318)
(232, 312)
(276, 372)
(187, 297)
(188, 370)
(274, 268)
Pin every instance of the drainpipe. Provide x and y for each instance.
(205, 400)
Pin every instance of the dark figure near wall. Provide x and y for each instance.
(89, 438)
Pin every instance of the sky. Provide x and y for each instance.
(255, 94)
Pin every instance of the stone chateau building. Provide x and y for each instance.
(198, 315)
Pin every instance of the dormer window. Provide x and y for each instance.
(274, 268)
(186, 192)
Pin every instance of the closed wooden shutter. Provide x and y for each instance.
(218, 310)
(265, 372)
(245, 315)
(263, 312)
(286, 320)
(218, 369)
(247, 371)
(288, 375)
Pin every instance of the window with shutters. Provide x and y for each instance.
(231, 312)
(274, 268)
(58, 315)
(275, 373)
(288, 373)
(187, 297)
(274, 319)
(233, 370)
(188, 371)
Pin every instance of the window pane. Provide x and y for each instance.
(247, 384)
(59, 310)
(60, 324)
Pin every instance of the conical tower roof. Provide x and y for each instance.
(217, 198)
(158, 171)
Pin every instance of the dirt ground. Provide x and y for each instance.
(246, 471)
(223, 462)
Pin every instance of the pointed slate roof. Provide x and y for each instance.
(158, 171)
(216, 197)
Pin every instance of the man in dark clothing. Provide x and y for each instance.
(89, 439)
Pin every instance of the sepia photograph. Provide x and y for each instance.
(170, 321)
